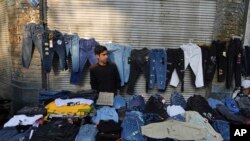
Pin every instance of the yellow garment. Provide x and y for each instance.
(76, 110)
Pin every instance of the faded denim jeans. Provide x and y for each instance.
(87, 132)
(158, 68)
(72, 47)
(32, 37)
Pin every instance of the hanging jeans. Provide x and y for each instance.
(87, 47)
(139, 63)
(158, 68)
(221, 59)
(175, 63)
(246, 60)
(32, 36)
(234, 55)
(72, 47)
(119, 55)
(208, 62)
(53, 42)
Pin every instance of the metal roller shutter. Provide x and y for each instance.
(141, 23)
(5, 58)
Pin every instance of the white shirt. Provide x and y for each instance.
(192, 57)
(65, 102)
(22, 120)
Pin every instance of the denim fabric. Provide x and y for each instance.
(53, 42)
(223, 128)
(47, 96)
(132, 127)
(87, 47)
(72, 47)
(33, 3)
(126, 65)
(246, 60)
(119, 55)
(87, 132)
(231, 105)
(32, 37)
(208, 62)
(232, 118)
(151, 118)
(105, 113)
(158, 68)
(136, 103)
(178, 99)
(214, 102)
(12, 134)
(221, 60)
(234, 65)
(139, 63)
(119, 102)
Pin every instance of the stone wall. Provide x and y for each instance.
(229, 19)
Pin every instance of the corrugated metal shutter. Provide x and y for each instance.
(5, 59)
(141, 23)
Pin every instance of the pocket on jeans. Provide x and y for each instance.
(26, 34)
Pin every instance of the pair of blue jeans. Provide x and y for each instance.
(72, 47)
(136, 103)
(53, 42)
(119, 54)
(158, 68)
(87, 47)
(32, 37)
(223, 128)
(132, 127)
(87, 132)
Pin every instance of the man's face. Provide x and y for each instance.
(246, 91)
(102, 57)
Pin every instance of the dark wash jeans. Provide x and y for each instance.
(175, 61)
(32, 37)
(87, 47)
(246, 60)
(234, 65)
(139, 63)
(53, 42)
(221, 60)
(208, 62)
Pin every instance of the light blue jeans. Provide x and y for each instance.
(72, 47)
(119, 54)
(87, 132)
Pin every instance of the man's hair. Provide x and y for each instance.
(99, 49)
